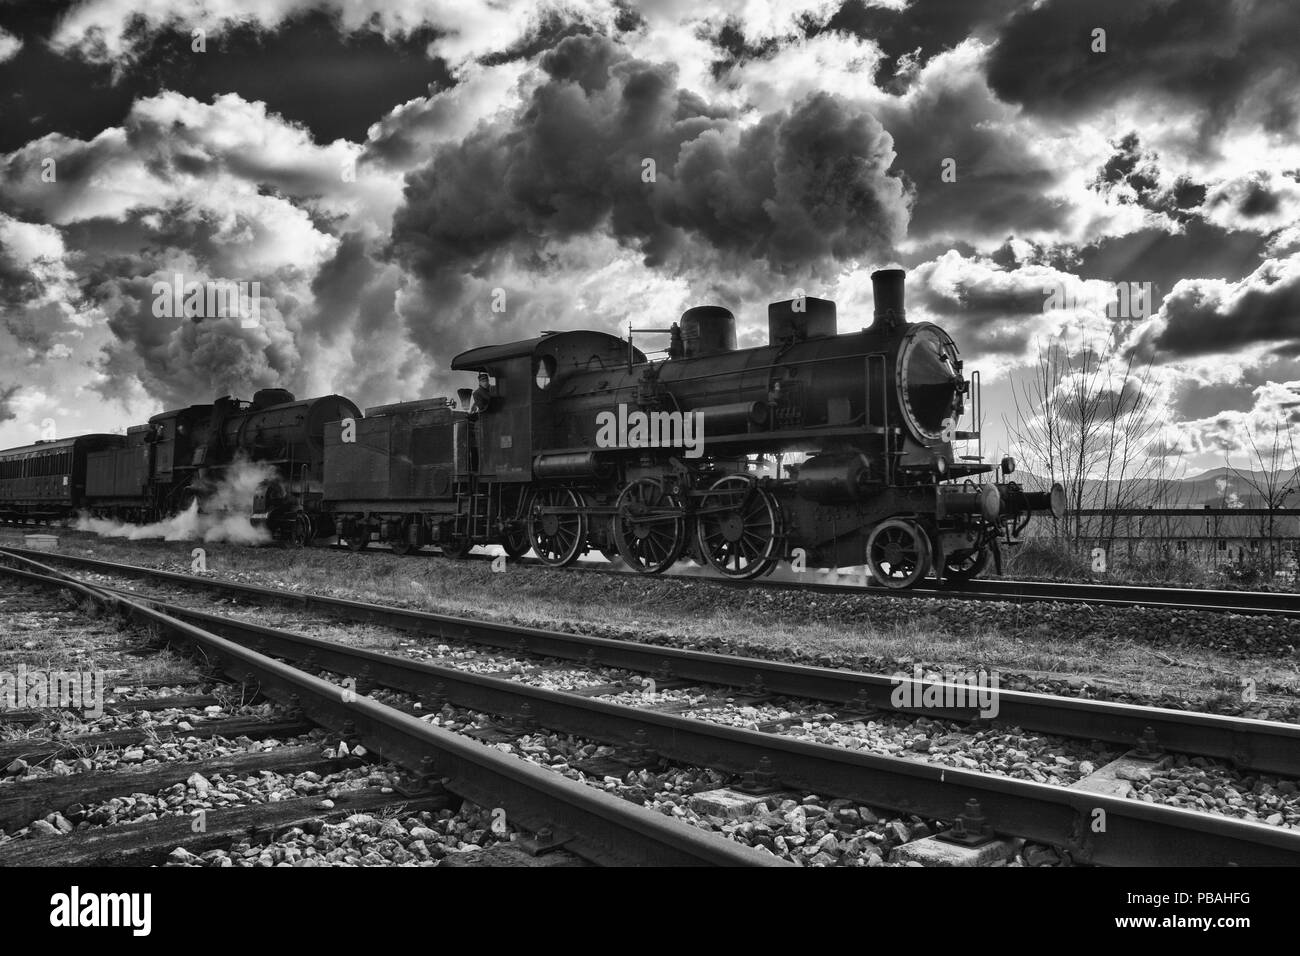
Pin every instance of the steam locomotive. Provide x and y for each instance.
(820, 448)
(178, 459)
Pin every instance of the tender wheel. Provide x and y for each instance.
(898, 553)
(558, 539)
(968, 566)
(303, 531)
(357, 537)
(402, 543)
(650, 527)
(457, 546)
(738, 527)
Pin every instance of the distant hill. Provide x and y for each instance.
(1216, 488)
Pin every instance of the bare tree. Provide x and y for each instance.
(1090, 423)
(1272, 482)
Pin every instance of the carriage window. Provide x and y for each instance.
(545, 371)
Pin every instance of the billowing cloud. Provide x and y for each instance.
(116, 30)
(219, 192)
(1261, 201)
(1212, 316)
(1266, 434)
(1133, 175)
(1231, 62)
(1002, 316)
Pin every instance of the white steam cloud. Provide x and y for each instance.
(225, 515)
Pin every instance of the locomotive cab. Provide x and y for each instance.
(520, 438)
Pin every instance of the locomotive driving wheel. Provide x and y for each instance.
(967, 565)
(738, 527)
(557, 536)
(650, 526)
(898, 553)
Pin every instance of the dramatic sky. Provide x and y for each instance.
(386, 170)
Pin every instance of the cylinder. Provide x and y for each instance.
(707, 330)
(835, 479)
(984, 500)
(580, 464)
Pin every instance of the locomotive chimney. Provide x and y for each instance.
(887, 290)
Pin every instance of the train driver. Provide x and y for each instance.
(482, 394)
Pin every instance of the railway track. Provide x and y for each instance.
(1272, 603)
(597, 827)
(1136, 832)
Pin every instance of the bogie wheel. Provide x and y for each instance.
(303, 531)
(898, 553)
(514, 540)
(402, 543)
(557, 538)
(966, 566)
(515, 543)
(738, 528)
(649, 529)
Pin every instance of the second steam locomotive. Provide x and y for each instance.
(822, 448)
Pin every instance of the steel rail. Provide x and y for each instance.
(590, 822)
(1273, 603)
(1260, 745)
(1094, 828)
(1220, 601)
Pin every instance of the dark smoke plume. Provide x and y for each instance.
(795, 194)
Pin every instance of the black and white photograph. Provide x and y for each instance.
(478, 434)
